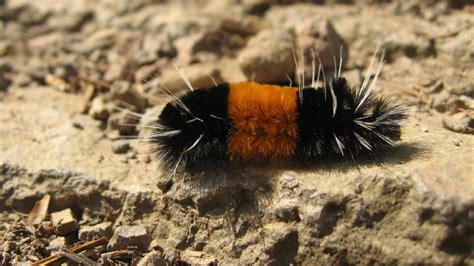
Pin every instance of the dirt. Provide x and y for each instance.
(68, 69)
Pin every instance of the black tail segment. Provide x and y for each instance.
(351, 124)
(382, 122)
(201, 128)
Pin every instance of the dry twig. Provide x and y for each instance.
(86, 246)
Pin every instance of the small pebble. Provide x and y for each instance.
(145, 158)
(152, 258)
(120, 147)
(77, 125)
(57, 244)
(457, 142)
(64, 222)
(460, 122)
(87, 233)
(125, 236)
(131, 154)
(287, 210)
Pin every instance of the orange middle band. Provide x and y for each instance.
(263, 121)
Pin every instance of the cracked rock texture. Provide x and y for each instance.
(412, 204)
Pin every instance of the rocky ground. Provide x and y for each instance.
(73, 184)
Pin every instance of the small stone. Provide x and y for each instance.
(97, 40)
(87, 233)
(43, 41)
(146, 73)
(258, 7)
(37, 69)
(5, 66)
(57, 244)
(131, 154)
(77, 125)
(171, 255)
(71, 22)
(146, 158)
(218, 38)
(151, 259)
(287, 210)
(122, 122)
(98, 109)
(315, 32)
(5, 81)
(199, 75)
(32, 258)
(65, 71)
(197, 258)
(5, 47)
(45, 229)
(157, 46)
(311, 215)
(113, 134)
(417, 234)
(64, 222)
(124, 95)
(439, 101)
(127, 236)
(116, 70)
(57, 83)
(268, 57)
(120, 146)
(22, 80)
(154, 245)
(460, 122)
(460, 103)
(30, 15)
(4, 84)
(457, 142)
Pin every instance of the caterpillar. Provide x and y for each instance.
(254, 122)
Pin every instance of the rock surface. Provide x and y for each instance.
(413, 204)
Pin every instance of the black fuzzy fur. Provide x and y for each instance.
(212, 148)
(317, 127)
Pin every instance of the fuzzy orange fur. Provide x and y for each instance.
(264, 121)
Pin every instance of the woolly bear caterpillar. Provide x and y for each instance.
(250, 122)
